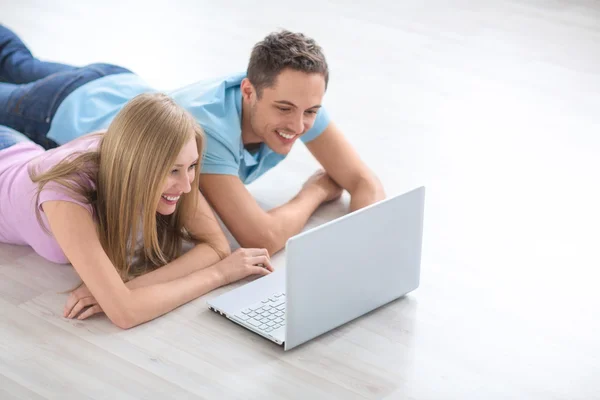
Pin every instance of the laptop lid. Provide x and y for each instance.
(345, 268)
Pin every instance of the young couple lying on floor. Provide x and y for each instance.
(100, 170)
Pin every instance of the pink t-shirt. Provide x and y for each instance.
(18, 221)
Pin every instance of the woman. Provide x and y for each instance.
(118, 206)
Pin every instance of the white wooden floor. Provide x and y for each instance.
(492, 104)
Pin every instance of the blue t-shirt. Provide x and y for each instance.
(216, 104)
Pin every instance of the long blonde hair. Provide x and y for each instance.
(123, 180)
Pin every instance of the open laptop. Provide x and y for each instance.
(334, 273)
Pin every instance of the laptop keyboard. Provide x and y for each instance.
(266, 315)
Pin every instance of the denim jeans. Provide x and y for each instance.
(9, 136)
(31, 90)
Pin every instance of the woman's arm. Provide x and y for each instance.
(201, 225)
(199, 257)
(75, 232)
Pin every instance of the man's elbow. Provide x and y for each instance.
(378, 189)
(265, 239)
(366, 192)
(370, 185)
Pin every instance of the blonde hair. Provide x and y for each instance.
(123, 180)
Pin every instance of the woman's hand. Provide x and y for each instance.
(239, 265)
(243, 263)
(78, 300)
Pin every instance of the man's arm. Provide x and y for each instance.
(250, 224)
(343, 164)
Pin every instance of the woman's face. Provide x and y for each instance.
(179, 179)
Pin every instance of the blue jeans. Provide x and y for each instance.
(9, 136)
(31, 90)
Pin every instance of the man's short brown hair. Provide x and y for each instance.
(281, 50)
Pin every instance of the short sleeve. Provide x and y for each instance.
(54, 192)
(318, 127)
(218, 158)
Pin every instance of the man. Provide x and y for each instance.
(251, 122)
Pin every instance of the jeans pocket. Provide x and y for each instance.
(39, 100)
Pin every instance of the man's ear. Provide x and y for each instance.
(247, 89)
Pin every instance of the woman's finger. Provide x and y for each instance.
(82, 291)
(264, 260)
(259, 271)
(71, 301)
(88, 301)
(90, 311)
(258, 252)
(266, 253)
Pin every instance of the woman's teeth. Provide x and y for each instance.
(285, 136)
(170, 198)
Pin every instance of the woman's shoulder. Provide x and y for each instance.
(18, 155)
(83, 144)
(89, 142)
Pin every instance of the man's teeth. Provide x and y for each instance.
(285, 136)
(171, 198)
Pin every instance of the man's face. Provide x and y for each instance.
(288, 109)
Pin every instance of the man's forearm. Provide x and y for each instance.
(199, 257)
(289, 219)
(366, 193)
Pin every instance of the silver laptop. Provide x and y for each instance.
(334, 273)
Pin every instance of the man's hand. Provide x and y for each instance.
(321, 180)
(343, 164)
